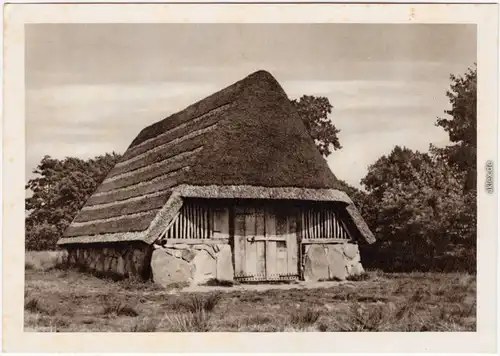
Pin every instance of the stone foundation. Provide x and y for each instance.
(191, 264)
(331, 261)
(122, 261)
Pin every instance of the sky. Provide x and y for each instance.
(90, 88)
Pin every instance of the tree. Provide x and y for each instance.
(461, 126)
(418, 209)
(314, 112)
(60, 189)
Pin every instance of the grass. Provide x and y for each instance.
(119, 309)
(44, 260)
(305, 317)
(72, 301)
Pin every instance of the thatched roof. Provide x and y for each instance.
(247, 135)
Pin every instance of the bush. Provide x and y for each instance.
(196, 303)
(119, 309)
(304, 317)
(198, 321)
(359, 277)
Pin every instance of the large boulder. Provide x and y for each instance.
(353, 259)
(168, 269)
(205, 267)
(225, 271)
(336, 263)
(351, 250)
(315, 263)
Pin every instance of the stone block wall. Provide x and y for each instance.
(191, 264)
(115, 260)
(331, 261)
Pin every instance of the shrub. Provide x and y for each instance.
(28, 266)
(196, 303)
(304, 317)
(359, 277)
(119, 309)
(33, 305)
(198, 321)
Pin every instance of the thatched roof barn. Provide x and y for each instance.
(243, 144)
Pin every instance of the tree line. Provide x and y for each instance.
(421, 206)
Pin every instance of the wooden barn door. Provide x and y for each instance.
(265, 247)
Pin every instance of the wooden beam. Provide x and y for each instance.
(169, 225)
(324, 241)
(269, 238)
(196, 241)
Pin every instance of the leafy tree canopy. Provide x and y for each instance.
(314, 112)
(60, 189)
(461, 125)
(417, 207)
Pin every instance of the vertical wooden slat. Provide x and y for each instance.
(308, 223)
(203, 229)
(320, 226)
(334, 230)
(305, 235)
(323, 223)
(333, 225)
(313, 232)
(291, 244)
(239, 244)
(188, 220)
(209, 222)
(311, 224)
(250, 247)
(271, 252)
(205, 222)
(191, 219)
(183, 224)
(198, 222)
(282, 247)
(315, 224)
(260, 246)
(302, 224)
(327, 224)
(209, 235)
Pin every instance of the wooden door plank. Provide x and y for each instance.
(239, 244)
(291, 245)
(261, 258)
(271, 253)
(250, 247)
(260, 242)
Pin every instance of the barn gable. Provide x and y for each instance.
(244, 142)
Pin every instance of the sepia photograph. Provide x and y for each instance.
(248, 206)
(252, 177)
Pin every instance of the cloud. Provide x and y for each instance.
(88, 120)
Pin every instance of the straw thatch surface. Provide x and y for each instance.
(256, 192)
(237, 142)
